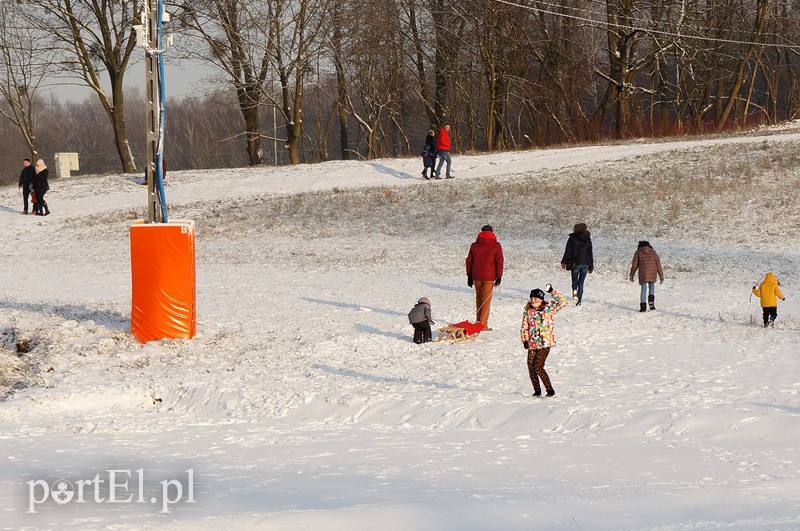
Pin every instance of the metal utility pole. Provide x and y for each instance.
(150, 38)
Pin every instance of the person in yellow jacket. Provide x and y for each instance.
(769, 293)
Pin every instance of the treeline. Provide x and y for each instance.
(364, 79)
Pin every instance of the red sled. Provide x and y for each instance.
(463, 331)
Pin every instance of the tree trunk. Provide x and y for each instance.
(733, 93)
(341, 82)
(420, 65)
(117, 116)
(251, 113)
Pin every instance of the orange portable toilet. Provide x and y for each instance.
(163, 279)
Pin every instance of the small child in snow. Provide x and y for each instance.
(37, 209)
(537, 335)
(429, 154)
(769, 293)
(420, 319)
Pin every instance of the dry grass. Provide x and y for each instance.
(681, 194)
(657, 194)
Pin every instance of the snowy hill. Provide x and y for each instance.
(303, 404)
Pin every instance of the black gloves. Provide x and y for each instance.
(526, 345)
(754, 288)
(469, 281)
(497, 282)
(549, 288)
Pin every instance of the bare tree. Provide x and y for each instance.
(236, 40)
(26, 64)
(744, 61)
(96, 40)
(255, 41)
(297, 33)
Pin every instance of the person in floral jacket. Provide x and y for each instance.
(537, 335)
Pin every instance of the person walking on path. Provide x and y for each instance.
(26, 178)
(420, 319)
(41, 186)
(484, 271)
(429, 155)
(538, 336)
(769, 293)
(578, 259)
(443, 150)
(646, 260)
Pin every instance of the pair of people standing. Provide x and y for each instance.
(437, 146)
(34, 180)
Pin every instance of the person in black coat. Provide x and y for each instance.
(429, 154)
(26, 178)
(579, 259)
(41, 186)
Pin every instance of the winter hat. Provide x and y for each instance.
(40, 165)
(579, 227)
(644, 243)
(539, 294)
(424, 300)
(486, 228)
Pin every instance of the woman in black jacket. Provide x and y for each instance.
(41, 186)
(578, 258)
(429, 155)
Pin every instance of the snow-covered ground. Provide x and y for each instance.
(303, 404)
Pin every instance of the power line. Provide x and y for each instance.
(628, 27)
(600, 15)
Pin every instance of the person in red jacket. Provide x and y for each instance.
(443, 150)
(484, 271)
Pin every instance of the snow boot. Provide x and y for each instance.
(551, 392)
(575, 298)
(46, 210)
(642, 306)
(652, 300)
(537, 393)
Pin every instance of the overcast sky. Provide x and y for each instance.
(183, 78)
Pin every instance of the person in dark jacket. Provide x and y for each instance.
(429, 155)
(647, 262)
(420, 319)
(579, 259)
(484, 271)
(26, 178)
(41, 186)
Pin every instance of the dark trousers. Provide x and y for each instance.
(41, 203)
(578, 278)
(26, 191)
(429, 162)
(422, 332)
(770, 313)
(536, 359)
